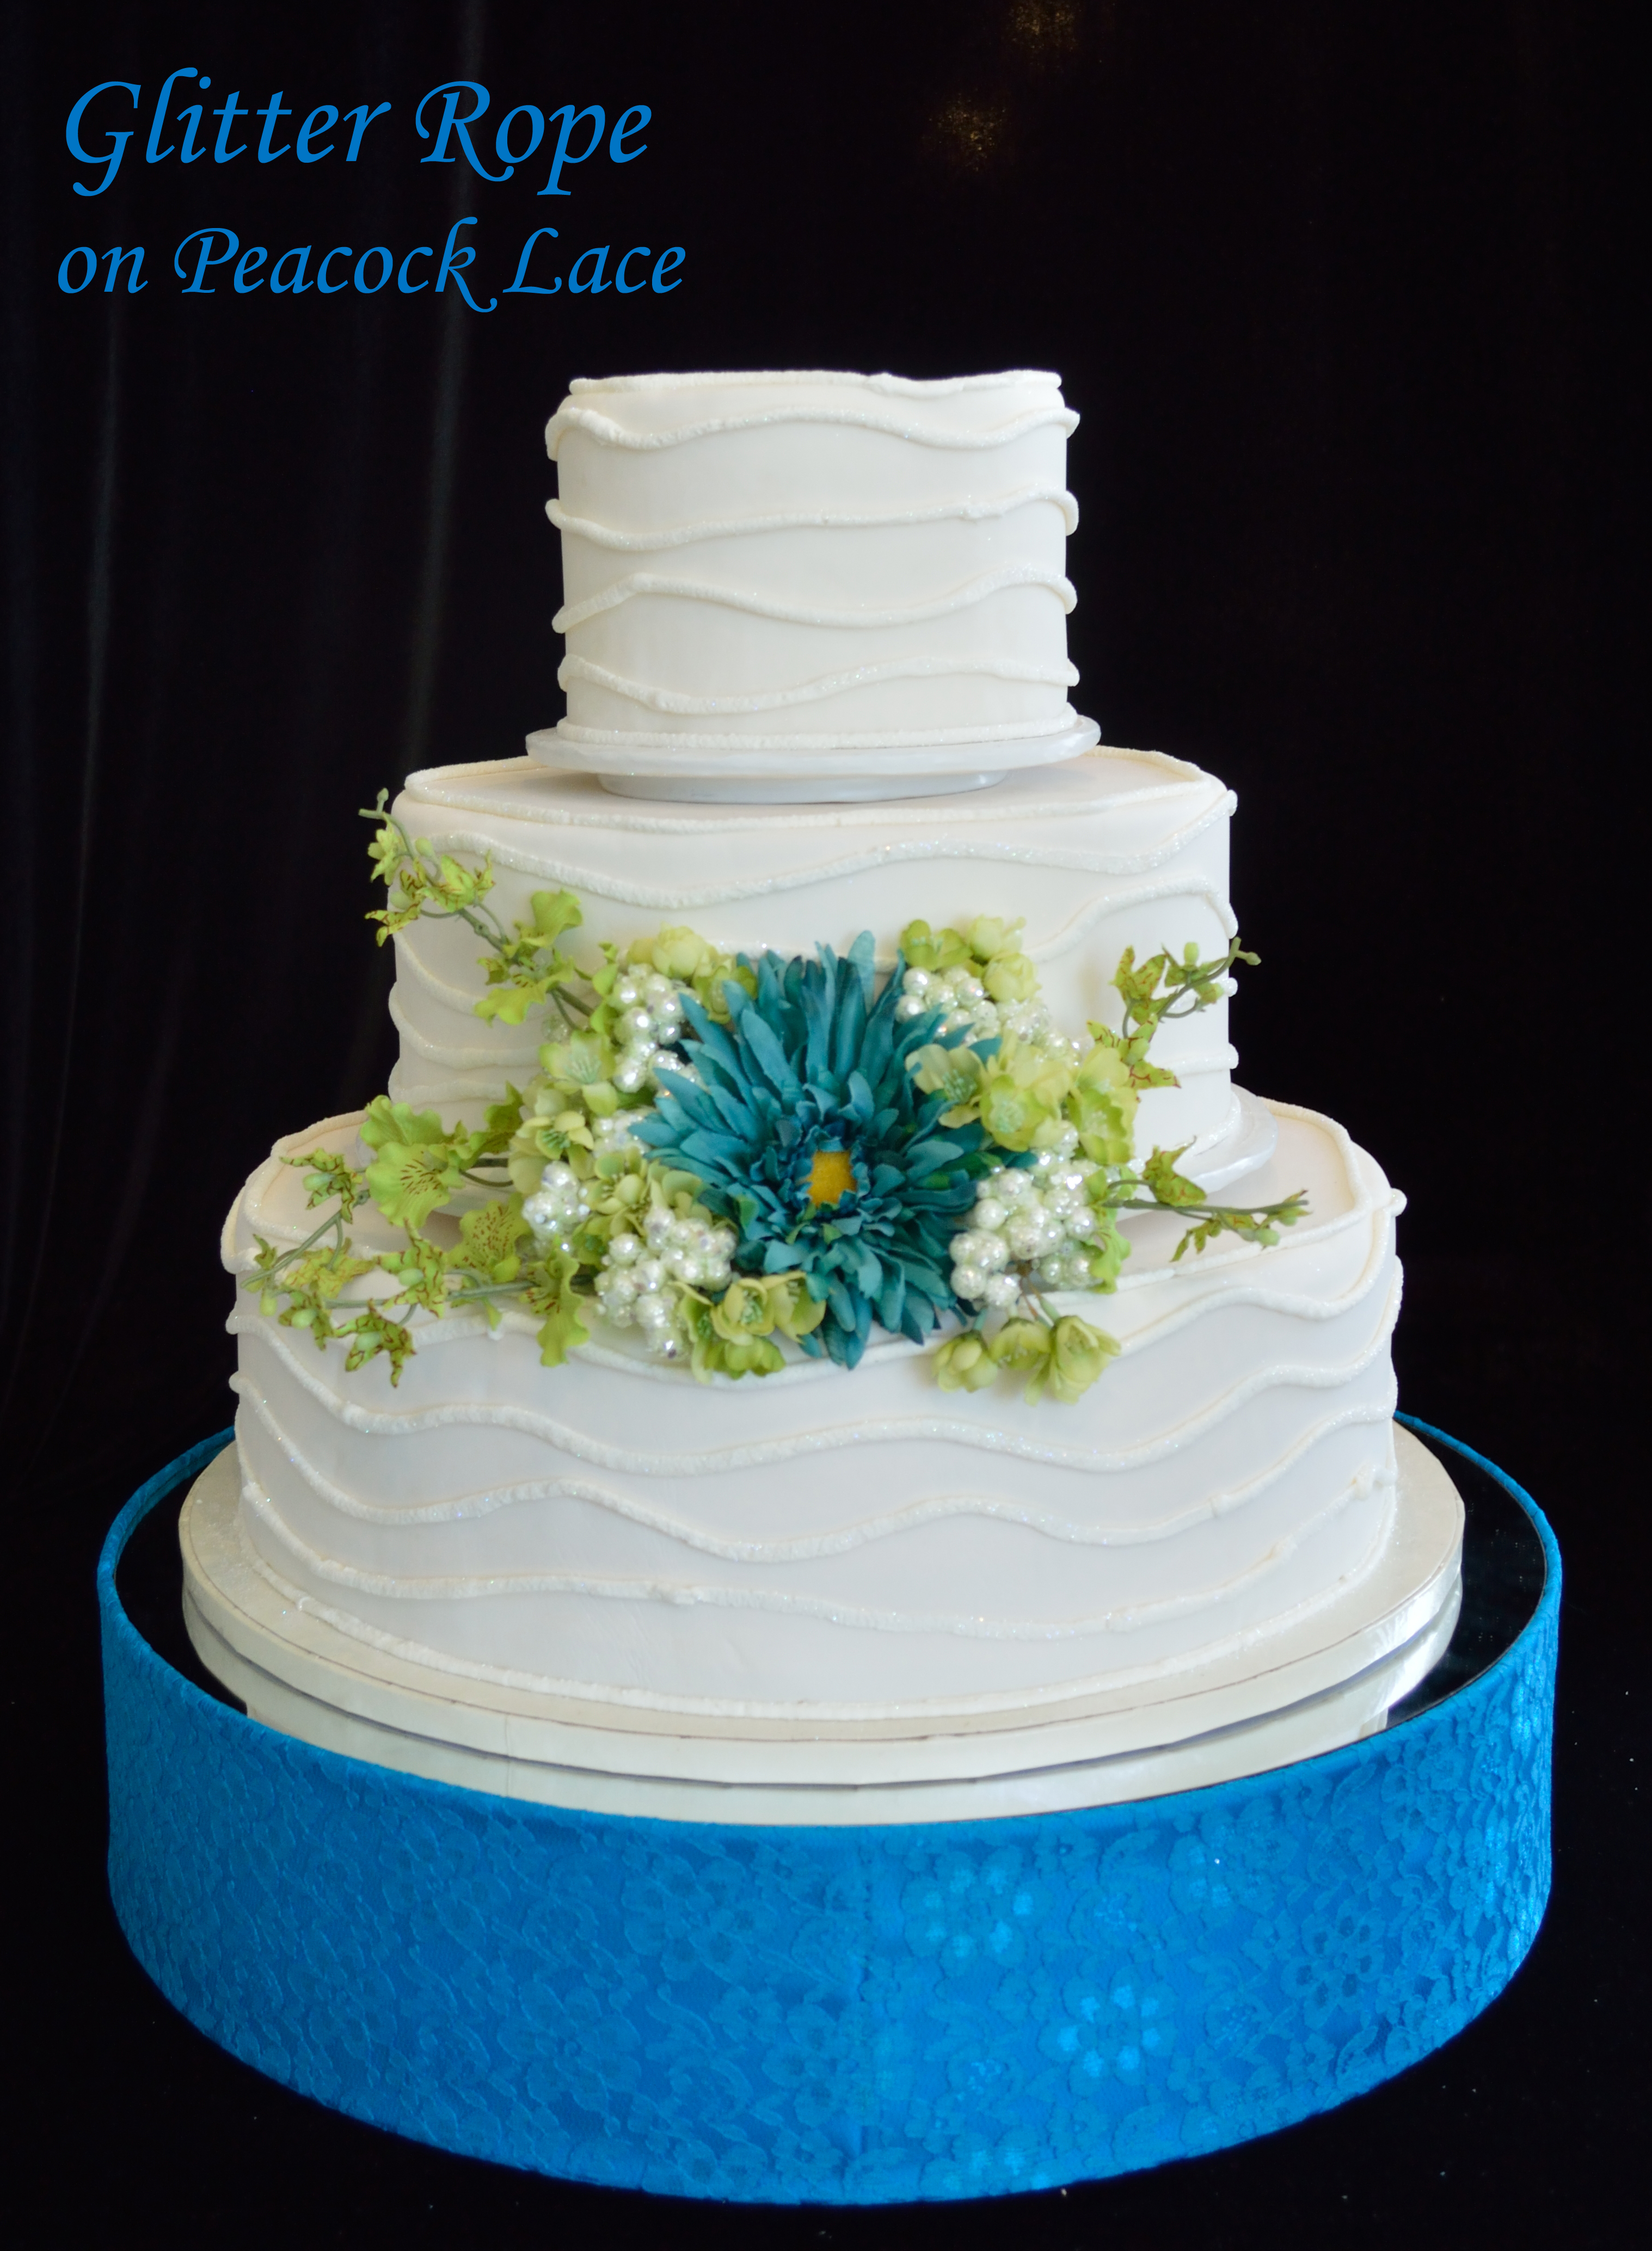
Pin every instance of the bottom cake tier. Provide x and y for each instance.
(1329, 1680)
(842, 1555)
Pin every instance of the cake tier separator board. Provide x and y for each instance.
(1325, 1680)
(846, 2014)
(766, 773)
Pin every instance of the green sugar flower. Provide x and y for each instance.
(1011, 977)
(1079, 1355)
(1102, 1105)
(1022, 1095)
(965, 1363)
(581, 1069)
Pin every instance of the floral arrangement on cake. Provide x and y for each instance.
(730, 1154)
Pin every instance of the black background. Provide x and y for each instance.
(1341, 294)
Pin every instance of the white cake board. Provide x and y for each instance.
(1243, 1147)
(849, 773)
(1327, 1680)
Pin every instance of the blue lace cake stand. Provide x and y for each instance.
(834, 2015)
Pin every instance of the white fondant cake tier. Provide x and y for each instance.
(1326, 1681)
(806, 561)
(1116, 848)
(847, 1545)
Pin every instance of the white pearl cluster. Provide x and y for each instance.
(1038, 1218)
(651, 1019)
(557, 1206)
(968, 1007)
(638, 1285)
(613, 1132)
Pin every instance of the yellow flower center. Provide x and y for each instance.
(831, 1176)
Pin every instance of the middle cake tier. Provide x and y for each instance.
(1116, 848)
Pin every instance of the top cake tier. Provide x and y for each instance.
(807, 564)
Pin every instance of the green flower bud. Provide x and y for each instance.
(1107, 1253)
(626, 1190)
(1023, 1347)
(706, 1345)
(754, 1356)
(923, 948)
(1079, 1355)
(713, 1353)
(1023, 1090)
(990, 936)
(964, 1363)
(584, 1060)
(385, 852)
(745, 1309)
(955, 1072)
(680, 953)
(525, 1167)
(552, 1131)
(1011, 977)
(796, 1313)
(1103, 1105)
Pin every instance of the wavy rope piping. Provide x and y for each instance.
(613, 884)
(606, 432)
(674, 702)
(762, 1454)
(968, 596)
(688, 535)
(1021, 1699)
(689, 1593)
(467, 1508)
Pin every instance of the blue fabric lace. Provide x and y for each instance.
(854, 2016)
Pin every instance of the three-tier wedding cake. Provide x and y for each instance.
(783, 1343)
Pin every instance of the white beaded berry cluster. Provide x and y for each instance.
(969, 1007)
(614, 1132)
(1038, 1221)
(639, 1284)
(650, 1020)
(557, 1206)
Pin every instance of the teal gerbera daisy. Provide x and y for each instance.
(809, 1133)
